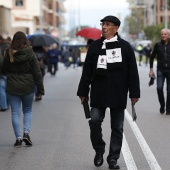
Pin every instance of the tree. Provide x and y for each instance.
(168, 1)
(153, 32)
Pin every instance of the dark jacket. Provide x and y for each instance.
(162, 52)
(41, 57)
(147, 51)
(23, 72)
(110, 90)
(4, 45)
(53, 56)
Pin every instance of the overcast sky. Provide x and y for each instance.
(89, 12)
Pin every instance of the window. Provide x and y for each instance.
(19, 3)
(161, 5)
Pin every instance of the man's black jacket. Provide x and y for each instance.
(162, 52)
(110, 90)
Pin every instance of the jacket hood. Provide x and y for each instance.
(21, 55)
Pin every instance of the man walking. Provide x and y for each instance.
(162, 52)
(109, 73)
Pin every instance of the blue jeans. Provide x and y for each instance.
(117, 121)
(15, 103)
(3, 95)
(163, 74)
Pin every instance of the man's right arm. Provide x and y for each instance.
(86, 77)
(152, 57)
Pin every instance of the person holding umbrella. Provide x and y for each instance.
(109, 73)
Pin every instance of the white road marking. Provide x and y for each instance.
(130, 163)
(144, 146)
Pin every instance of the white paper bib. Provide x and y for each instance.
(114, 55)
(102, 63)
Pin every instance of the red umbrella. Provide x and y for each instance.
(90, 33)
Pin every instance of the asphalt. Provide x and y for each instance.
(60, 132)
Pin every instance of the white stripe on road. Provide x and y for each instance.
(144, 146)
(130, 163)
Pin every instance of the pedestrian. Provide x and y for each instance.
(162, 52)
(75, 53)
(41, 57)
(4, 44)
(140, 51)
(147, 51)
(42, 60)
(66, 54)
(109, 72)
(53, 55)
(21, 67)
(3, 96)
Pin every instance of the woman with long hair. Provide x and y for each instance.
(22, 70)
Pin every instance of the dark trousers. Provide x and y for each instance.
(163, 74)
(53, 67)
(117, 120)
(140, 58)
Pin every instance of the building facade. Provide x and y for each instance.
(154, 11)
(32, 16)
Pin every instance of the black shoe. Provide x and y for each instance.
(37, 98)
(167, 113)
(18, 143)
(162, 110)
(27, 139)
(3, 110)
(98, 159)
(113, 164)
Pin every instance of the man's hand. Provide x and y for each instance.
(134, 100)
(151, 73)
(82, 99)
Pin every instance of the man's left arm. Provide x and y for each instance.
(133, 77)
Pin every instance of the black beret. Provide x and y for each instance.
(112, 19)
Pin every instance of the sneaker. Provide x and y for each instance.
(18, 143)
(27, 139)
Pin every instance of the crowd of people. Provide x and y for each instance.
(144, 51)
(109, 74)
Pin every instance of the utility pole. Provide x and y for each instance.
(79, 27)
(144, 8)
(154, 6)
(166, 14)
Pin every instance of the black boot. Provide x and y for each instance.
(113, 164)
(98, 159)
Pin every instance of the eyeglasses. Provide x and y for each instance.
(107, 24)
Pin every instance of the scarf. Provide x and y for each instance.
(110, 56)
